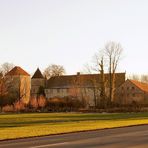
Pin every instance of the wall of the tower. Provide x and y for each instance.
(36, 83)
(19, 87)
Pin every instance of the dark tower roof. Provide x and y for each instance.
(37, 74)
(17, 71)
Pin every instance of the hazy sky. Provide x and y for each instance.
(36, 33)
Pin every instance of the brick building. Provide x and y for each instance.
(132, 91)
(19, 84)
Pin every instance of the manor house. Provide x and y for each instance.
(85, 87)
(82, 86)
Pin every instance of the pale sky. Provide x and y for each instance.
(36, 33)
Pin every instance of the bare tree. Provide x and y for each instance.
(113, 53)
(103, 85)
(134, 77)
(144, 78)
(97, 66)
(88, 69)
(3, 87)
(54, 70)
(106, 59)
(79, 91)
(5, 96)
(6, 67)
(141, 78)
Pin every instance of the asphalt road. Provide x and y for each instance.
(128, 137)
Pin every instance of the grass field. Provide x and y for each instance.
(36, 124)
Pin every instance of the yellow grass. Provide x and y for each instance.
(63, 123)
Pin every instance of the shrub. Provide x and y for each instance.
(19, 106)
(41, 101)
(33, 102)
(7, 100)
(64, 104)
(8, 108)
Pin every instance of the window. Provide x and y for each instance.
(133, 88)
(68, 90)
(51, 90)
(58, 90)
(133, 95)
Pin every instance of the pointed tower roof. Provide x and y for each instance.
(17, 71)
(37, 74)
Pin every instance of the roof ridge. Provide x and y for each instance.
(87, 80)
(89, 74)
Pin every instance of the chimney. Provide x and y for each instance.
(78, 73)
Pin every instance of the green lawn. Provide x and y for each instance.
(37, 124)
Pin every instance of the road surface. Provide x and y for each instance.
(128, 137)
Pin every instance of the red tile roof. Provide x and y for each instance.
(141, 85)
(17, 71)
